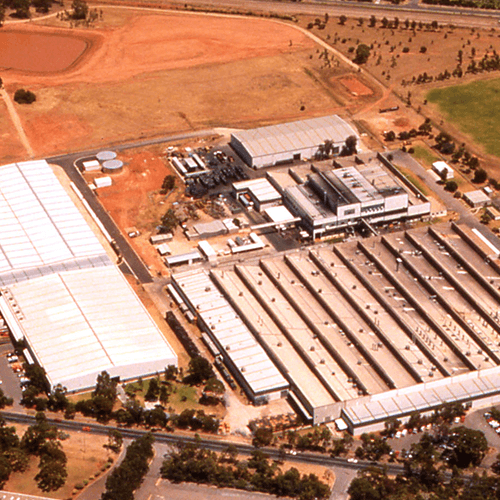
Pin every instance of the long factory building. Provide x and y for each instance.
(371, 329)
(62, 294)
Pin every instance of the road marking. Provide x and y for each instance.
(158, 481)
(17, 122)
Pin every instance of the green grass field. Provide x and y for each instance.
(473, 108)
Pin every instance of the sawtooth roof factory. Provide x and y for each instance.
(287, 142)
(365, 330)
(61, 293)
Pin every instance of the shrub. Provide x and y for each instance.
(23, 96)
(406, 50)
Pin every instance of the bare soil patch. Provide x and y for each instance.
(37, 52)
(146, 75)
(355, 87)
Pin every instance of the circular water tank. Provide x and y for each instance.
(112, 166)
(106, 155)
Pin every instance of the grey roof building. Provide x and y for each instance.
(286, 142)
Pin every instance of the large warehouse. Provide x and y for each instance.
(277, 144)
(60, 291)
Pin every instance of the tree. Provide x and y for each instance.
(362, 54)
(390, 136)
(153, 390)
(57, 399)
(467, 447)
(199, 370)
(451, 186)
(169, 221)
(480, 176)
(342, 20)
(52, 475)
(168, 183)
(105, 386)
(115, 441)
(349, 147)
(263, 436)
(23, 96)
(80, 10)
(22, 9)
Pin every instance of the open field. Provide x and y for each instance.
(150, 74)
(472, 109)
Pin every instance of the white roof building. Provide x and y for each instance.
(61, 292)
(249, 362)
(267, 146)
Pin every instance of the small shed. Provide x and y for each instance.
(493, 212)
(164, 249)
(101, 182)
(161, 238)
(207, 250)
(444, 171)
(91, 166)
(477, 198)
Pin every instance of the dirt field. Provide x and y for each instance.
(147, 74)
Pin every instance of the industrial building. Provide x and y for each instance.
(61, 293)
(362, 189)
(257, 192)
(248, 361)
(287, 142)
(371, 329)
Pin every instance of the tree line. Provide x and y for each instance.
(128, 476)
(194, 464)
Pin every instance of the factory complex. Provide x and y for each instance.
(365, 330)
(62, 294)
(362, 189)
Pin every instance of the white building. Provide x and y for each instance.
(62, 294)
(277, 144)
(444, 171)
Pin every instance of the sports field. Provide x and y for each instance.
(473, 108)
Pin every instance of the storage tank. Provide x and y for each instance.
(112, 166)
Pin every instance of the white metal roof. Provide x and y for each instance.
(231, 333)
(279, 214)
(40, 225)
(80, 323)
(294, 136)
(422, 397)
(60, 290)
(261, 189)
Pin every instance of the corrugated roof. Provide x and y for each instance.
(231, 333)
(293, 136)
(77, 312)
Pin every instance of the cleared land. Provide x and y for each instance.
(148, 74)
(472, 109)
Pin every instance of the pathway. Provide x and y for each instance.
(17, 122)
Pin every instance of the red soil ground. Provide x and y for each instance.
(151, 43)
(355, 87)
(37, 52)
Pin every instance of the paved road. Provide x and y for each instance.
(413, 10)
(458, 206)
